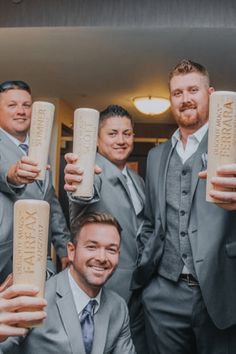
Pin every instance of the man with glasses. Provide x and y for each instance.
(18, 173)
(118, 191)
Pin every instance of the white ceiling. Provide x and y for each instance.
(94, 67)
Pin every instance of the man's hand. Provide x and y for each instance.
(14, 301)
(226, 179)
(23, 172)
(74, 174)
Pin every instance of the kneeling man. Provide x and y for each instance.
(83, 317)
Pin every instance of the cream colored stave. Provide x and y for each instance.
(40, 134)
(221, 136)
(30, 244)
(84, 145)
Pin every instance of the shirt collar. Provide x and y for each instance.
(81, 299)
(14, 140)
(125, 172)
(198, 135)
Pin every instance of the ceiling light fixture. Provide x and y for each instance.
(151, 105)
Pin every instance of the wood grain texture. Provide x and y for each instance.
(85, 145)
(40, 134)
(31, 221)
(222, 135)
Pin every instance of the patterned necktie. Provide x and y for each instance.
(24, 147)
(87, 325)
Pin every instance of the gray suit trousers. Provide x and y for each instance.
(177, 321)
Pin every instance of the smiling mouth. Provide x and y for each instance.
(187, 109)
(99, 268)
(22, 119)
(120, 149)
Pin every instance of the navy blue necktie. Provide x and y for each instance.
(24, 147)
(87, 325)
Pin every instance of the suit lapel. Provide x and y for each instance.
(112, 173)
(162, 173)
(68, 313)
(138, 185)
(101, 320)
(13, 152)
(198, 164)
(122, 181)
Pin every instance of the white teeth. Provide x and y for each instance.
(98, 268)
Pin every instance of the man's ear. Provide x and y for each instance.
(70, 251)
(211, 90)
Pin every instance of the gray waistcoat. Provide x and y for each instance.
(177, 250)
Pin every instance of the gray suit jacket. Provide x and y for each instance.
(58, 231)
(212, 233)
(113, 196)
(61, 331)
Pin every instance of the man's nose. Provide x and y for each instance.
(186, 96)
(120, 139)
(20, 110)
(101, 255)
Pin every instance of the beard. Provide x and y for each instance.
(188, 117)
(188, 120)
(191, 115)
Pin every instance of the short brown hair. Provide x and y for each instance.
(186, 66)
(92, 218)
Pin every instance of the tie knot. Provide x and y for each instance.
(24, 147)
(90, 307)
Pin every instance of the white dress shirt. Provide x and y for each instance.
(193, 142)
(81, 299)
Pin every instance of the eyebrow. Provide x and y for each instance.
(95, 243)
(181, 89)
(115, 130)
(15, 101)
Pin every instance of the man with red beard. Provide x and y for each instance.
(188, 262)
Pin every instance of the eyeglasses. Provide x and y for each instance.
(11, 85)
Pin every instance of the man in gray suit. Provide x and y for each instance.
(18, 172)
(188, 248)
(112, 192)
(73, 326)
(118, 191)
